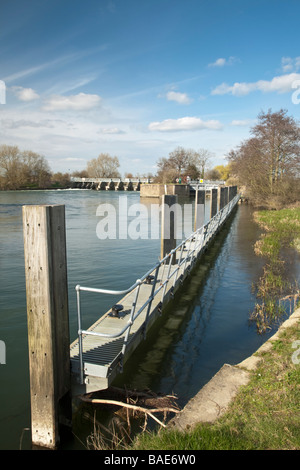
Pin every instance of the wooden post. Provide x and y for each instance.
(232, 192)
(226, 196)
(199, 208)
(168, 225)
(213, 202)
(222, 197)
(48, 322)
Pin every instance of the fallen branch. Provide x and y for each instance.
(146, 411)
(127, 405)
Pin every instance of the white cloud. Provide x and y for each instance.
(221, 62)
(280, 84)
(184, 124)
(80, 102)
(25, 94)
(289, 64)
(181, 98)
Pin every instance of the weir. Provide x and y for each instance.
(59, 370)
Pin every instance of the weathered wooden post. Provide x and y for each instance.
(213, 202)
(168, 225)
(219, 198)
(232, 192)
(222, 197)
(226, 195)
(199, 208)
(48, 322)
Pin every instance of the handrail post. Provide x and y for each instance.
(168, 276)
(131, 319)
(151, 298)
(178, 264)
(81, 367)
(188, 253)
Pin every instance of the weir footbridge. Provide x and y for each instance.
(134, 184)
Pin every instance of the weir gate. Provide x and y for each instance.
(59, 370)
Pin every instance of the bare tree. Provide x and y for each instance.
(268, 163)
(20, 169)
(200, 159)
(183, 162)
(179, 160)
(104, 166)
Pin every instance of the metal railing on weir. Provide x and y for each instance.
(186, 254)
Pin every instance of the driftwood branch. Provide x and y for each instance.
(146, 411)
(128, 405)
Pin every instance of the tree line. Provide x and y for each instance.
(22, 168)
(29, 170)
(266, 167)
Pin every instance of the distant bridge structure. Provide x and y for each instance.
(134, 184)
(206, 185)
(109, 184)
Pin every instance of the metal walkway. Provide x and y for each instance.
(99, 353)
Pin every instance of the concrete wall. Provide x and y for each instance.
(158, 190)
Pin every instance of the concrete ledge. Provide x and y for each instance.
(214, 398)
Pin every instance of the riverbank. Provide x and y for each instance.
(253, 405)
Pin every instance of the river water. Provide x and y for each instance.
(206, 327)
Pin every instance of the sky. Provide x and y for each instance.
(138, 78)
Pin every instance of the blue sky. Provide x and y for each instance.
(138, 78)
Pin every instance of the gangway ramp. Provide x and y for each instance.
(100, 352)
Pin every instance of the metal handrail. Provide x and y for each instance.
(205, 232)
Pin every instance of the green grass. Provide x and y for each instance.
(265, 414)
(282, 228)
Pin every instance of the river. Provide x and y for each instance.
(207, 327)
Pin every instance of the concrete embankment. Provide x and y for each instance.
(213, 400)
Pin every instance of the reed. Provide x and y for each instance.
(280, 237)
